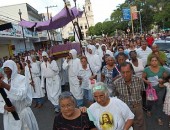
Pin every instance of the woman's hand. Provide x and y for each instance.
(2, 84)
(9, 109)
(147, 82)
(83, 109)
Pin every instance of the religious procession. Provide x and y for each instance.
(103, 82)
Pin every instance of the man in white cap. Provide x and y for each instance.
(72, 63)
(50, 75)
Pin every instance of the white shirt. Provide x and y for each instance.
(143, 54)
(116, 113)
(85, 74)
(138, 69)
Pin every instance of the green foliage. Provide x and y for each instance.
(153, 12)
(71, 38)
(91, 31)
(98, 28)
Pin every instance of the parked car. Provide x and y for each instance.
(164, 45)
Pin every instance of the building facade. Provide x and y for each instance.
(11, 40)
(67, 30)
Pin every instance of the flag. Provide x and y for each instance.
(134, 12)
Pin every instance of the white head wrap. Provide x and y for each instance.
(98, 44)
(74, 53)
(12, 65)
(93, 48)
(109, 53)
(44, 54)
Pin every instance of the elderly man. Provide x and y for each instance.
(143, 52)
(72, 63)
(109, 113)
(159, 54)
(129, 88)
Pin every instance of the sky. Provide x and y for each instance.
(102, 9)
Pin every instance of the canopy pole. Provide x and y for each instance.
(20, 13)
(76, 33)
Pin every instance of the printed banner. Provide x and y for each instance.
(134, 12)
(126, 14)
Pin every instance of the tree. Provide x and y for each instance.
(71, 38)
(91, 31)
(98, 28)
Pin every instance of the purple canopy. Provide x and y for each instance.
(59, 20)
(27, 24)
(43, 25)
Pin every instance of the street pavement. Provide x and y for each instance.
(46, 114)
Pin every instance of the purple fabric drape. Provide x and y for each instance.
(59, 20)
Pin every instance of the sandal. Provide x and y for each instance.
(160, 122)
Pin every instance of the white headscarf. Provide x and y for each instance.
(98, 44)
(74, 53)
(44, 54)
(109, 53)
(104, 45)
(93, 48)
(12, 65)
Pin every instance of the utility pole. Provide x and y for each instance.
(48, 10)
(48, 16)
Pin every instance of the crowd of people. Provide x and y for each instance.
(103, 88)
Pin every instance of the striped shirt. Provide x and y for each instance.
(130, 94)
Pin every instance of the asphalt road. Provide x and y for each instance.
(46, 114)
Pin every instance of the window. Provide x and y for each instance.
(89, 8)
(85, 26)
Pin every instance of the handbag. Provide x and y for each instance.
(151, 93)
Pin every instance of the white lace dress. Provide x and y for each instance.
(166, 107)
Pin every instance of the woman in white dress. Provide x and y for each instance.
(20, 96)
(37, 91)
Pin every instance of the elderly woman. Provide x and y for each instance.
(154, 75)
(109, 74)
(20, 96)
(109, 113)
(70, 117)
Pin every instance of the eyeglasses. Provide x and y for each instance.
(68, 106)
(66, 95)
